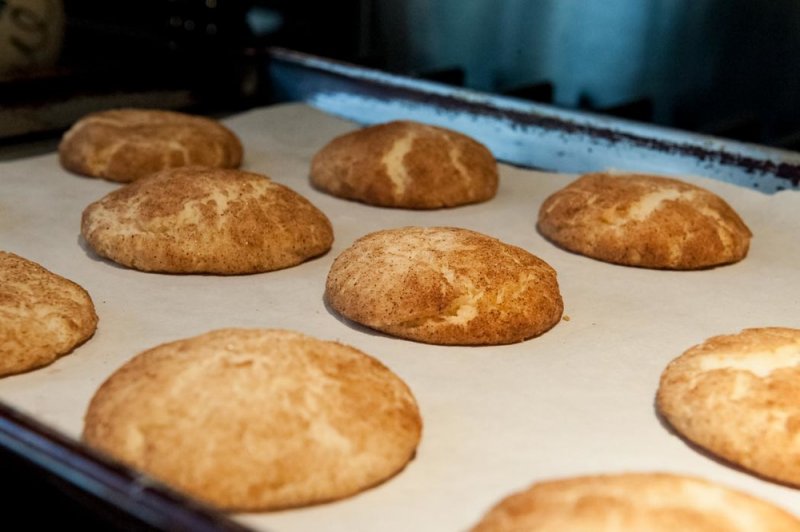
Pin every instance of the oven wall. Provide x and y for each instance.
(719, 66)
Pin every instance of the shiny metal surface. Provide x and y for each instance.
(527, 134)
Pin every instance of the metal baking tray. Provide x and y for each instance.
(519, 133)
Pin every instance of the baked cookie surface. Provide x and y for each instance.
(646, 221)
(406, 164)
(126, 144)
(249, 419)
(444, 285)
(656, 502)
(42, 315)
(738, 396)
(206, 220)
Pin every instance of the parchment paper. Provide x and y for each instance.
(577, 400)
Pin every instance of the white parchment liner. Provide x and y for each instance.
(577, 400)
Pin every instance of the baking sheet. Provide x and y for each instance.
(577, 400)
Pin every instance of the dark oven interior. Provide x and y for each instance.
(722, 67)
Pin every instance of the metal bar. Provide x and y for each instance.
(523, 133)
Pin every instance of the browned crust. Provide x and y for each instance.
(206, 220)
(249, 419)
(42, 315)
(603, 216)
(126, 144)
(444, 285)
(748, 418)
(654, 502)
(430, 167)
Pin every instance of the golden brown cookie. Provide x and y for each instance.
(127, 144)
(739, 397)
(406, 164)
(646, 221)
(42, 315)
(651, 502)
(444, 285)
(206, 220)
(256, 419)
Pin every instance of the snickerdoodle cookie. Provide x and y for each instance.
(406, 164)
(652, 502)
(257, 419)
(444, 285)
(643, 220)
(206, 220)
(738, 396)
(42, 315)
(127, 144)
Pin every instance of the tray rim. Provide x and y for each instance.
(542, 136)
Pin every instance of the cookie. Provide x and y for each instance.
(738, 396)
(634, 501)
(127, 144)
(252, 419)
(646, 221)
(656, 502)
(42, 315)
(406, 164)
(444, 285)
(206, 220)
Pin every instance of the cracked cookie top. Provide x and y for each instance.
(42, 315)
(126, 144)
(646, 221)
(738, 396)
(406, 164)
(257, 419)
(444, 285)
(206, 220)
